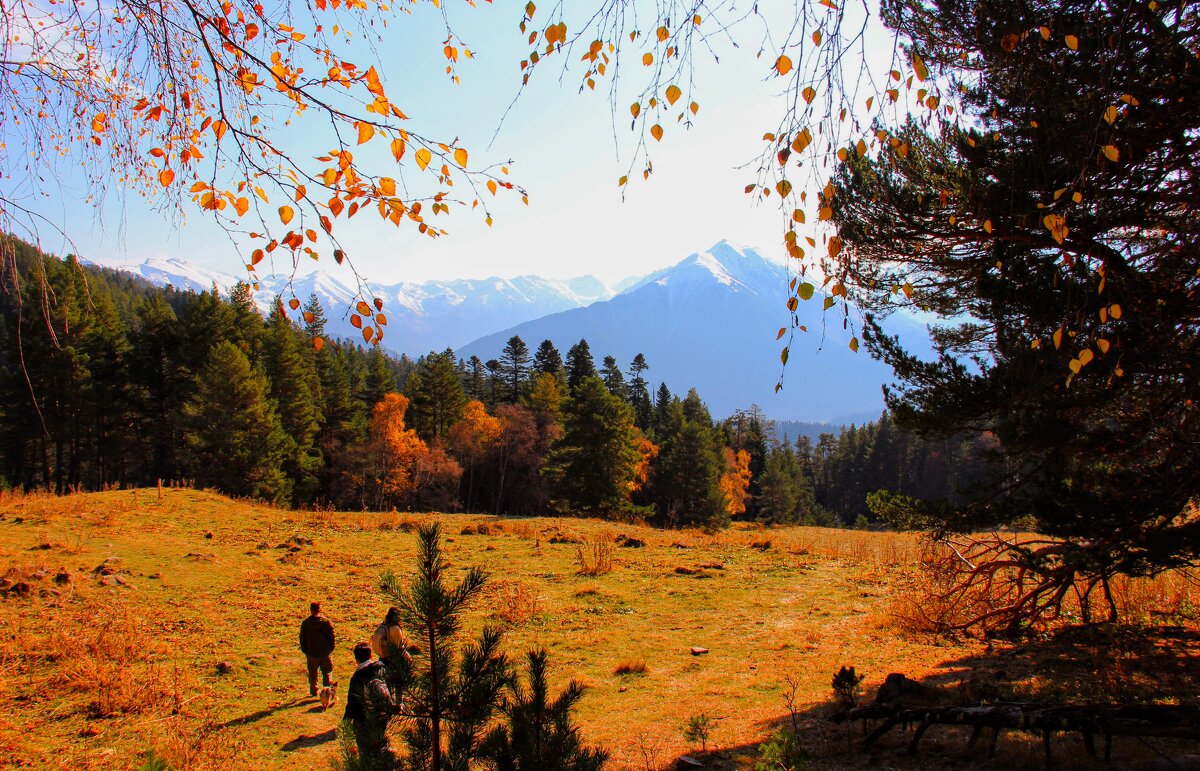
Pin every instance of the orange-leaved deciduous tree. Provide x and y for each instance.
(735, 481)
(470, 440)
(648, 451)
(401, 471)
(189, 99)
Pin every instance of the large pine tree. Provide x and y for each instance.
(590, 468)
(1055, 227)
(237, 443)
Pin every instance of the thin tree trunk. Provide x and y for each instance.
(435, 705)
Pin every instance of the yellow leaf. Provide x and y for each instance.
(460, 157)
(423, 157)
(854, 344)
(673, 94)
(920, 68)
(663, 34)
(397, 149)
(828, 302)
(623, 180)
(656, 131)
(816, 38)
(826, 213)
(809, 93)
(694, 107)
(802, 140)
(166, 176)
(387, 186)
(1111, 153)
(491, 186)
(1114, 311)
(1075, 365)
(1057, 225)
(365, 131)
(835, 247)
(987, 226)
(1102, 344)
(1086, 356)
(318, 343)
(1110, 114)
(1057, 337)
(242, 205)
(783, 65)
(1072, 42)
(648, 59)
(783, 188)
(636, 109)
(285, 214)
(908, 290)
(1045, 32)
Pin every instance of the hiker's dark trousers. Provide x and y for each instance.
(323, 663)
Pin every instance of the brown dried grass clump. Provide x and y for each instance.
(631, 667)
(594, 556)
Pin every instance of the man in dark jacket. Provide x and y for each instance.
(369, 705)
(316, 640)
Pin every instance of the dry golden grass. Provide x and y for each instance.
(95, 676)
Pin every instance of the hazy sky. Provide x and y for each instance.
(564, 149)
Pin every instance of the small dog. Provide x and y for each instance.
(328, 695)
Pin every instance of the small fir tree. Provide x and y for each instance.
(453, 694)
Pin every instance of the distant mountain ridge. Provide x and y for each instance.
(422, 317)
(709, 322)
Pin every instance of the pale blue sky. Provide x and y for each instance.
(563, 150)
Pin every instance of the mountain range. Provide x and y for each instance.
(421, 317)
(708, 322)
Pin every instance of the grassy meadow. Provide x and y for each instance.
(167, 621)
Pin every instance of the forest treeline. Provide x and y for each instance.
(107, 380)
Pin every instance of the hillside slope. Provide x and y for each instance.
(104, 673)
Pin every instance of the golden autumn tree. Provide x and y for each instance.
(405, 472)
(470, 439)
(735, 480)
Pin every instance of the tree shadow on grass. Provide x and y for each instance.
(254, 717)
(1101, 664)
(303, 741)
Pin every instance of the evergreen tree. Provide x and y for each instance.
(591, 466)
(639, 393)
(436, 395)
(662, 406)
(537, 734)
(614, 379)
(1052, 215)
(161, 385)
(293, 381)
(233, 431)
(451, 694)
(580, 365)
(380, 378)
(475, 386)
(314, 317)
(685, 481)
(513, 370)
(547, 360)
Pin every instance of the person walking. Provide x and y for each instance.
(369, 706)
(317, 643)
